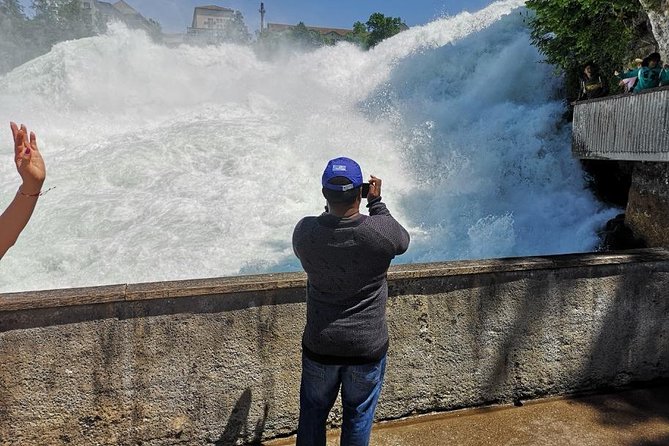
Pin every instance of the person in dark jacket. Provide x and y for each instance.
(346, 256)
(592, 83)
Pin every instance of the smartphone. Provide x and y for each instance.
(365, 190)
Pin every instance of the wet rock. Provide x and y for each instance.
(618, 236)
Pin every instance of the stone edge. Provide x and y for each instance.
(31, 300)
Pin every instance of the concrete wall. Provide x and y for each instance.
(631, 127)
(218, 361)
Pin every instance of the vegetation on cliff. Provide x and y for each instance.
(572, 32)
(23, 38)
(379, 28)
(655, 5)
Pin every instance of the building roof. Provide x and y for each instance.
(124, 8)
(108, 10)
(214, 8)
(282, 27)
(125, 13)
(340, 31)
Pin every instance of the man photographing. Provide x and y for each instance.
(346, 256)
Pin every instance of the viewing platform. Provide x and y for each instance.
(625, 127)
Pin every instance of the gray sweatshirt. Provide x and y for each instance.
(346, 261)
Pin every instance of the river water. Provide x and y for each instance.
(191, 162)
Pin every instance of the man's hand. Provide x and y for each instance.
(29, 162)
(374, 188)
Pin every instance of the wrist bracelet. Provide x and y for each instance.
(38, 194)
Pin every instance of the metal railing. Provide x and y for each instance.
(628, 127)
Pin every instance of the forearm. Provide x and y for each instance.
(389, 228)
(16, 217)
(377, 207)
(629, 74)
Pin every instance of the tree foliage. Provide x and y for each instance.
(11, 8)
(655, 5)
(272, 44)
(61, 20)
(54, 21)
(381, 27)
(571, 33)
(359, 35)
(305, 37)
(233, 30)
(237, 31)
(365, 35)
(14, 50)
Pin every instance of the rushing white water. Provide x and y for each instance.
(197, 162)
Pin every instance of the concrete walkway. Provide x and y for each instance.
(636, 417)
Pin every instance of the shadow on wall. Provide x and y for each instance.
(529, 313)
(236, 428)
(634, 331)
(630, 335)
(626, 334)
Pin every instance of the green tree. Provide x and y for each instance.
(570, 33)
(276, 44)
(22, 39)
(381, 27)
(156, 27)
(13, 49)
(236, 30)
(12, 9)
(59, 20)
(359, 35)
(305, 37)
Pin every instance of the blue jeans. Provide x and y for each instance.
(360, 390)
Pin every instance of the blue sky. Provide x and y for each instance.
(175, 15)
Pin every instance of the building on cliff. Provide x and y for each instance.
(215, 24)
(100, 13)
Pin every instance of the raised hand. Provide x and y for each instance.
(29, 162)
(374, 188)
(30, 165)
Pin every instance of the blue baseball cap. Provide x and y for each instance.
(342, 167)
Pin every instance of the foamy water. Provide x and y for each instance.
(197, 162)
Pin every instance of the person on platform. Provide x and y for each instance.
(592, 84)
(664, 75)
(30, 166)
(346, 256)
(629, 83)
(651, 74)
